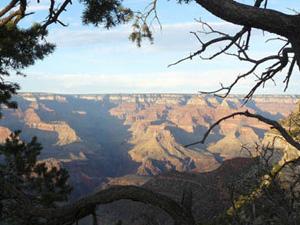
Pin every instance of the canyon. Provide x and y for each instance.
(126, 139)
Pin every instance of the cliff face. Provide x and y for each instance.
(157, 151)
(4, 134)
(286, 152)
(105, 136)
(156, 121)
(65, 134)
(210, 190)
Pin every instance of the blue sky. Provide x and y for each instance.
(94, 60)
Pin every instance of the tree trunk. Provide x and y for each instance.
(296, 48)
(70, 213)
(245, 15)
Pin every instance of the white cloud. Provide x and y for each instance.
(180, 82)
(170, 35)
(149, 82)
(173, 38)
(37, 7)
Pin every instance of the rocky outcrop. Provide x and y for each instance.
(45, 108)
(58, 98)
(80, 113)
(155, 147)
(272, 139)
(66, 135)
(131, 179)
(157, 151)
(4, 134)
(138, 134)
(210, 192)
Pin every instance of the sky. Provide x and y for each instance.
(93, 60)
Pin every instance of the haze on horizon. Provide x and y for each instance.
(93, 60)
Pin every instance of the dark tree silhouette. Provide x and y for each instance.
(20, 47)
(24, 181)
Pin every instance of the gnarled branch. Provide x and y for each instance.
(265, 19)
(256, 16)
(274, 125)
(70, 213)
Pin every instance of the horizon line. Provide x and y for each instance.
(151, 93)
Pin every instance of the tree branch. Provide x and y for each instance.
(240, 43)
(7, 8)
(54, 14)
(70, 213)
(249, 16)
(274, 125)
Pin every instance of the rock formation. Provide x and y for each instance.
(66, 135)
(4, 134)
(101, 137)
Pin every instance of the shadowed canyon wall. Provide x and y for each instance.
(124, 139)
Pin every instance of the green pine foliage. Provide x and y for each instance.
(23, 178)
(108, 13)
(19, 48)
(293, 124)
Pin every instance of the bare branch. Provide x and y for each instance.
(274, 125)
(53, 16)
(240, 42)
(290, 72)
(70, 213)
